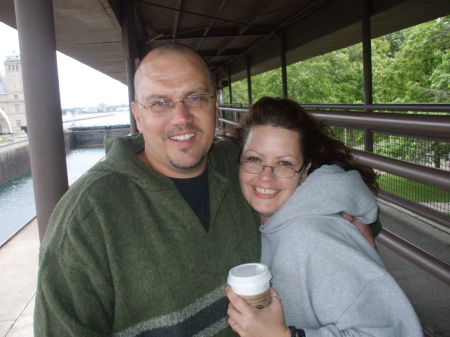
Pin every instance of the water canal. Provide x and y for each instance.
(17, 197)
(17, 205)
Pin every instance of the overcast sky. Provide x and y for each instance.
(79, 84)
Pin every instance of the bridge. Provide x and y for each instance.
(239, 40)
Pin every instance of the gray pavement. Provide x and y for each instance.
(19, 265)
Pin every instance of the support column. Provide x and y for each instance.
(367, 68)
(284, 84)
(43, 106)
(230, 91)
(249, 80)
(129, 52)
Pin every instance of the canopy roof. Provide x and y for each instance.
(224, 32)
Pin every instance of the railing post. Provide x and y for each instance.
(367, 68)
(35, 24)
(230, 91)
(249, 80)
(284, 83)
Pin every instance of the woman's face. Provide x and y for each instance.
(273, 146)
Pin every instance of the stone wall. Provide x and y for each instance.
(14, 161)
(15, 158)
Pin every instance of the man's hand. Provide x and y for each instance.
(364, 229)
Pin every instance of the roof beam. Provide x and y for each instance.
(147, 3)
(211, 23)
(262, 7)
(308, 10)
(176, 19)
(222, 32)
(213, 52)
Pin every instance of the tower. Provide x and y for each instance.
(12, 99)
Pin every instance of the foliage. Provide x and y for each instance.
(420, 70)
(331, 78)
(412, 190)
(409, 66)
(350, 137)
(439, 150)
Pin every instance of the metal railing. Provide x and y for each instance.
(416, 125)
(417, 256)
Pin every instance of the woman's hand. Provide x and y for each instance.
(251, 322)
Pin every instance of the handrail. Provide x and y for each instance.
(226, 121)
(424, 107)
(417, 256)
(423, 174)
(232, 104)
(415, 207)
(437, 126)
(234, 109)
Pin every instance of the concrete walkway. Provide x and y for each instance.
(19, 265)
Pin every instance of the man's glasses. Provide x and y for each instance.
(191, 103)
(280, 171)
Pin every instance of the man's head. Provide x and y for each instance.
(177, 138)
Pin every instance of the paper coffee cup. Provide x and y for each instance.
(251, 281)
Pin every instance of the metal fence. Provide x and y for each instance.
(424, 152)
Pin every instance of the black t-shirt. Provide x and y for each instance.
(195, 192)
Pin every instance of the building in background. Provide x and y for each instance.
(12, 103)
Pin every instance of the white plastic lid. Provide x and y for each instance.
(249, 278)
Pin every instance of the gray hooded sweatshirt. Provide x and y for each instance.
(331, 281)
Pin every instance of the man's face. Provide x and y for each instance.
(176, 141)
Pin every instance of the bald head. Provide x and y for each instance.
(164, 55)
(177, 141)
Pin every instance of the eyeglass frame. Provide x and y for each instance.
(174, 103)
(273, 167)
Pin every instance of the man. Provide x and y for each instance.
(141, 245)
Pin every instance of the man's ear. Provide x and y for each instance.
(136, 114)
(217, 104)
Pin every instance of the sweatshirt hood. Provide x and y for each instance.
(121, 151)
(121, 158)
(329, 190)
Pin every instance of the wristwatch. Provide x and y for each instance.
(296, 332)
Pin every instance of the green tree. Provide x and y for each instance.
(420, 71)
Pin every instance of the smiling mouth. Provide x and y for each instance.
(182, 138)
(265, 191)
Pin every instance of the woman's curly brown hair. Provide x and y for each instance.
(317, 146)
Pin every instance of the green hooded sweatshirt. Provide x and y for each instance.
(124, 254)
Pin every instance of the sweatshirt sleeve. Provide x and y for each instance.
(350, 292)
(381, 310)
(74, 293)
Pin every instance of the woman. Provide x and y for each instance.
(330, 279)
